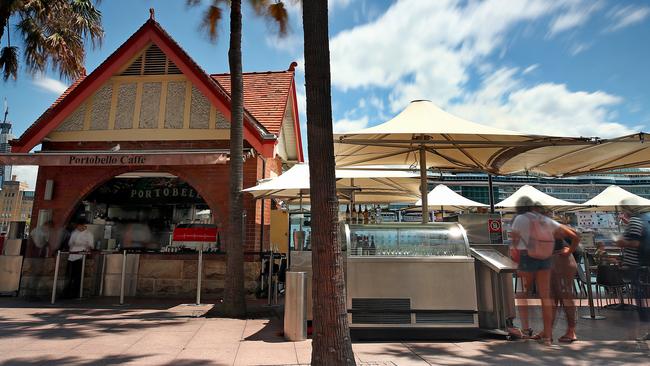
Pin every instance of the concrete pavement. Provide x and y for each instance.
(82, 333)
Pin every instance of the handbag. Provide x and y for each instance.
(541, 243)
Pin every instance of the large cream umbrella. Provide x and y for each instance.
(613, 197)
(424, 135)
(629, 151)
(537, 196)
(445, 198)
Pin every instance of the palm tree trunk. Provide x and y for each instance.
(234, 293)
(331, 344)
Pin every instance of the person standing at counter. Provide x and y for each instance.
(81, 240)
(533, 240)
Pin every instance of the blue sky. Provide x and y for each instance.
(574, 67)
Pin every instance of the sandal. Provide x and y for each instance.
(539, 337)
(565, 339)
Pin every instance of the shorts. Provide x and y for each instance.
(530, 264)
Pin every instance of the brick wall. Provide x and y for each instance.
(73, 183)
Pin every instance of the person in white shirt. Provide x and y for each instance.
(532, 231)
(81, 240)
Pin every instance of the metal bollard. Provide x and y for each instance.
(123, 278)
(199, 271)
(56, 275)
(101, 278)
(295, 307)
(271, 262)
(83, 270)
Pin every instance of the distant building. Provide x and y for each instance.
(5, 136)
(15, 203)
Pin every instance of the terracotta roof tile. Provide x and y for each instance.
(265, 95)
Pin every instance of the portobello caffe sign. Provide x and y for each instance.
(107, 159)
(117, 158)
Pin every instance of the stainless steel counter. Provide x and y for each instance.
(411, 292)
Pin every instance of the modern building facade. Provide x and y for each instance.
(15, 203)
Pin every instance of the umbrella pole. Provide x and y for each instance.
(491, 193)
(424, 186)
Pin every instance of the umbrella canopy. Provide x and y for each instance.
(424, 135)
(537, 196)
(619, 153)
(291, 184)
(450, 142)
(443, 196)
(380, 186)
(612, 197)
(368, 186)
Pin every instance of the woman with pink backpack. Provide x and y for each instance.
(533, 241)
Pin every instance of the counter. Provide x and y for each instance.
(172, 274)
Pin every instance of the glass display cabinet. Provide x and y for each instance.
(406, 240)
(409, 276)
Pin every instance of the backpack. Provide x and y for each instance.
(542, 240)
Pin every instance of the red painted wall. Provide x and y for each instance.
(73, 183)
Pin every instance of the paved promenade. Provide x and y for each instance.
(82, 333)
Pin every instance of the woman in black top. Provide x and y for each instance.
(563, 272)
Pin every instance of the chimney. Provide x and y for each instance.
(13, 177)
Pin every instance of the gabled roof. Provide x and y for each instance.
(265, 95)
(261, 119)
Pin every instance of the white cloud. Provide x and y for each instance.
(423, 49)
(578, 14)
(26, 173)
(530, 69)
(50, 85)
(347, 125)
(627, 16)
(433, 49)
(579, 48)
(547, 108)
(331, 4)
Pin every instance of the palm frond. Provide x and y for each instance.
(9, 62)
(260, 6)
(211, 18)
(279, 14)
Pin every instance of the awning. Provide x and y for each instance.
(103, 158)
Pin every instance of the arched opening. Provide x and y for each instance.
(144, 210)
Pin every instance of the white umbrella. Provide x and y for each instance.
(612, 197)
(535, 195)
(367, 185)
(426, 136)
(442, 196)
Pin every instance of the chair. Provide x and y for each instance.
(610, 278)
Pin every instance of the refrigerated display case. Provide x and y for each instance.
(403, 275)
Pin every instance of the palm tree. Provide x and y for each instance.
(331, 344)
(234, 292)
(53, 34)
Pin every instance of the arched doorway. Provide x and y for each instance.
(141, 209)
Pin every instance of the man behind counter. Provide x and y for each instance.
(81, 240)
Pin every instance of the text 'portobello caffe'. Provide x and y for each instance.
(138, 153)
